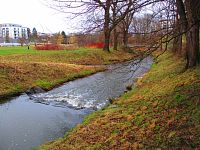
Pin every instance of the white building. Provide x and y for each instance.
(11, 34)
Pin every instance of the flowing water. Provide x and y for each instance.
(28, 121)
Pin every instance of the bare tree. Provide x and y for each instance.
(176, 17)
(34, 36)
(125, 27)
(111, 12)
(22, 40)
(187, 18)
(64, 37)
(57, 38)
(187, 23)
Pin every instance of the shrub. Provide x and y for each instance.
(96, 45)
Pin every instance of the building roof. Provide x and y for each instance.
(10, 25)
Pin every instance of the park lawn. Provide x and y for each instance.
(82, 56)
(21, 69)
(161, 112)
(16, 50)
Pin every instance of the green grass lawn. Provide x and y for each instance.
(83, 56)
(12, 50)
(16, 50)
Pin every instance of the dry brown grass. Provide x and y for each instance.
(18, 76)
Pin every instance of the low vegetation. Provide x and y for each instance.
(161, 112)
(22, 68)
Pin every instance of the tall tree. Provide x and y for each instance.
(192, 35)
(107, 30)
(64, 37)
(103, 7)
(34, 35)
(28, 34)
(126, 22)
(188, 24)
(58, 38)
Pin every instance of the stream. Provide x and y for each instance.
(28, 121)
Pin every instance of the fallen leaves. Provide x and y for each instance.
(152, 126)
(143, 108)
(155, 104)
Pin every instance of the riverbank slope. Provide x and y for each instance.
(21, 69)
(161, 112)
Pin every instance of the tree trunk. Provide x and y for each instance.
(106, 41)
(115, 39)
(181, 26)
(192, 35)
(125, 38)
(177, 43)
(192, 46)
(115, 34)
(107, 27)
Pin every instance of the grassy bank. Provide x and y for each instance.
(21, 68)
(161, 112)
(16, 77)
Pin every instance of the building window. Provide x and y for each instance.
(7, 33)
(3, 32)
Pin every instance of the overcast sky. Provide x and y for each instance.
(33, 13)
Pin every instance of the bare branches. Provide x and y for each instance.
(166, 21)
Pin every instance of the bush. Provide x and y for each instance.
(95, 45)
